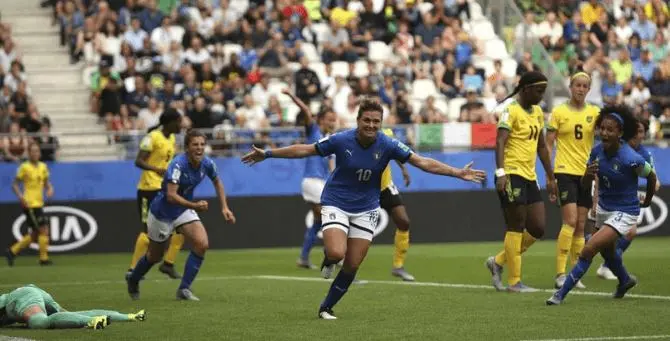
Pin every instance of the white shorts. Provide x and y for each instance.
(312, 188)
(620, 221)
(159, 231)
(355, 225)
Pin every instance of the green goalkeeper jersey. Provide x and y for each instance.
(13, 305)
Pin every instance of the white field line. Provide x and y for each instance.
(608, 338)
(14, 338)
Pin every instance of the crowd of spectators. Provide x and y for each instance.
(20, 119)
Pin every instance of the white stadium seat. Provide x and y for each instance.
(509, 67)
(442, 105)
(476, 12)
(361, 69)
(425, 7)
(320, 70)
(229, 49)
(320, 30)
(310, 52)
(455, 108)
(422, 88)
(378, 51)
(340, 68)
(495, 49)
(482, 30)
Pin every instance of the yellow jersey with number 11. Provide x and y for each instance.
(161, 149)
(575, 131)
(524, 131)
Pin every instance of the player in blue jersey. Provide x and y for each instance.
(317, 169)
(174, 209)
(617, 166)
(350, 199)
(624, 241)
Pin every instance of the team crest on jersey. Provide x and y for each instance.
(589, 119)
(376, 155)
(615, 167)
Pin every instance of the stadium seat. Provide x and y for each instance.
(315, 106)
(294, 66)
(455, 108)
(509, 67)
(482, 29)
(422, 88)
(489, 103)
(229, 49)
(361, 69)
(320, 70)
(340, 68)
(292, 110)
(320, 30)
(476, 12)
(425, 7)
(378, 51)
(495, 49)
(310, 52)
(442, 106)
(486, 64)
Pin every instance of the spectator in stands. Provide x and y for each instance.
(639, 95)
(149, 116)
(346, 114)
(359, 37)
(135, 35)
(8, 54)
(645, 66)
(599, 31)
(550, 27)
(196, 55)
(275, 113)
(200, 115)
(659, 88)
(473, 109)
(496, 78)
(643, 27)
(401, 111)
(472, 81)
(623, 31)
(307, 84)
(163, 36)
(15, 144)
(612, 91)
(429, 113)
(525, 65)
(84, 44)
(526, 30)
(139, 98)
(336, 45)
(71, 20)
(592, 12)
(49, 144)
(573, 28)
(625, 10)
(622, 67)
(251, 115)
(463, 51)
(19, 101)
(261, 91)
(31, 121)
(108, 41)
(374, 22)
(449, 77)
(105, 89)
(403, 43)
(150, 16)
(659, 48)
(14, 77)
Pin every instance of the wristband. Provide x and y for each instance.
(500, 172)
(268, 154)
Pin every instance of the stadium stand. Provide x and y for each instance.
(223, 64)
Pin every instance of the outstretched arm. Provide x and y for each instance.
(430, 165)
(295, 151)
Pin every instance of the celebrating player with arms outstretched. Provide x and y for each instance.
(156, 152)
(174, 209)
(520, 140)
(38, 310)
(350, 199)
(617, 167)
(34, 176)
(572, 126)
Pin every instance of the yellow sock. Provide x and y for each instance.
(576, 249)
(43, 242)
(563, 245)
(401, 243)
(21, 244)
(141, 247)
(513, 255)
(176, 242)
(526, 242)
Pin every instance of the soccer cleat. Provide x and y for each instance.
(47, 262)
(400, 272)
(130, 271)
(604, 272)
(133, 288)
(169, 270)
(555, 299)
(327, 314)
(327, 269)
(10, 257)
(621, 290)
(580, 285)
(138, 316)
(98, 322)
(186, 295)
(305, 264)
(496, 273)
(559, 281)
(521, 288)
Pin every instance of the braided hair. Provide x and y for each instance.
(529, 78)
(168, 116)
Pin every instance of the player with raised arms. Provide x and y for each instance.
(316, 172)
(350, 198)
(37, 309)
(34, 176)
(617, 166)
(571, 128)
(156, 151)
(174, 209)
(520, 140)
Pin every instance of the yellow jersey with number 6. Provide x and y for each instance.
(387, 179)
(161, 149)
(575, 131)
(524, 132)
(34, 177)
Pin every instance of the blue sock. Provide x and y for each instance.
(191, 269)
(574, 276)
(338, 288)
(622, 245)
(141, 268)
(615, 264)
(308, 242)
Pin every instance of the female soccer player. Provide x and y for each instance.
(572, 125)
(636, 143)
(350, 198)
(317, 169)
(38, 310)
(520, 140)
(34, 176)
(617, 167)
(156, 152)
(173, 209)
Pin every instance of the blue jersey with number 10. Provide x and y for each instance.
(354, 185)
(315, 166)
(617, 178)
(181, 172)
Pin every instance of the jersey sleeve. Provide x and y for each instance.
(328, 145)
(146, 145)
(400, 151)
(212, 170)
(174, 173)
(21, 172)
(506, 120)
(554, 120)
(637, 162)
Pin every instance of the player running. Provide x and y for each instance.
(572, 126)
(350, 198)
(33, 175)
(391, 201)
(636, 143)
(173, 209)
(38, 310)
(317, 169)
(520, 140)
(617, 167)
(156, 150)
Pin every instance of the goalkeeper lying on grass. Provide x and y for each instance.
(38, 310)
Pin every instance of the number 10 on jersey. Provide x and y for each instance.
(364, 174)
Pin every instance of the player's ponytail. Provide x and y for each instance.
(168, 116)
(530, 78)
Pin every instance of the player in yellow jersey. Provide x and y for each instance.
(572, 129)
(520, 140)
(34, 176)
(391, 201)
(156, 151)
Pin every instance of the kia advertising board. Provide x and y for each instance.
(112, 226)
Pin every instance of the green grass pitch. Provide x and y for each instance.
(238, 303)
